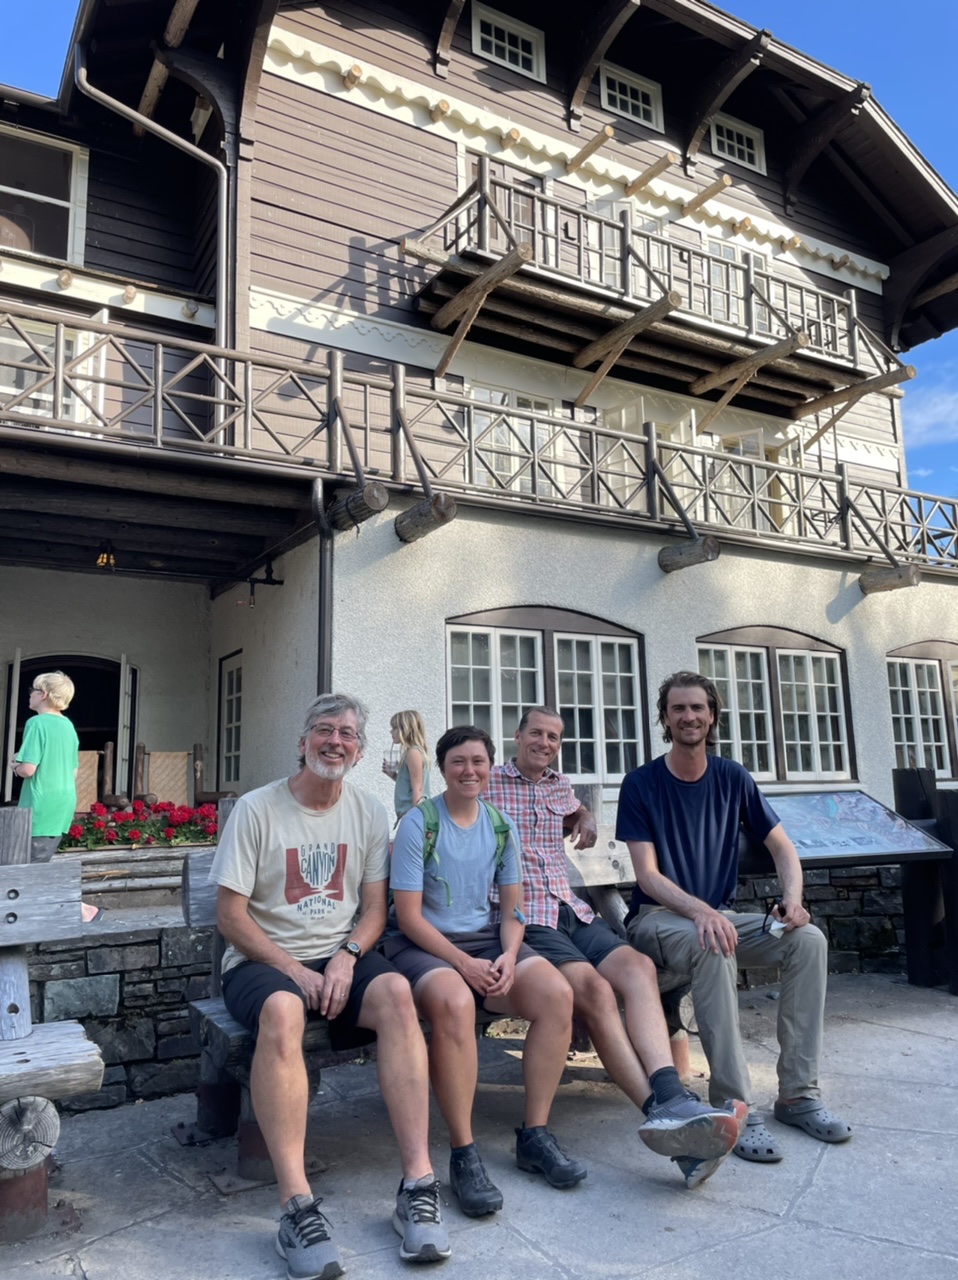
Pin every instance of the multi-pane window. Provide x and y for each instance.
(231, 717)
(42, 190)
(28, 361)
(507, 441)
(592, 679)
(739, 142)
(784, 708)
(631, 95)
(918, 714)
(504, 40)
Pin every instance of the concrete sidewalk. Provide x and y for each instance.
(130, 1203)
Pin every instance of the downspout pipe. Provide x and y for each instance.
(324, 630)
(222, 182)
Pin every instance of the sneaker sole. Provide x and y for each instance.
(428, 1252)
(561, 1183)
(707, 1137)
(700, 1171)
(329, 1272)
(490, 1206)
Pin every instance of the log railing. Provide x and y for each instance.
(77, 378)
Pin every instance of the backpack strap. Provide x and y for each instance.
(430, 822)
(502, 829)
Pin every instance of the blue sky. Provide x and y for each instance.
(906, 53)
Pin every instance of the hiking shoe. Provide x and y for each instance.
(695, 1171)
(468, 1178)
(538, 1152)
(417, 1219)
(684, 1126)
(304, 1242)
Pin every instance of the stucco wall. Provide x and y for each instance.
(162, 627)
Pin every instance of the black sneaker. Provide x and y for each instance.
(468, 1178)
(304, 1242)
(538, 1152)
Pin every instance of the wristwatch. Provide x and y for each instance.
(352, 949)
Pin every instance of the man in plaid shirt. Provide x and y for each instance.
(601, 967)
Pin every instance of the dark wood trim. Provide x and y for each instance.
(719, 86)
(930, 650)
(908, 272)
(764, 637)
(595, 41)
(444, 40)
(541, 618)
(811, 138)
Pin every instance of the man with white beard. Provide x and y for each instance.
(302, 869)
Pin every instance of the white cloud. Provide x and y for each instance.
(930, 415)
(924, 471)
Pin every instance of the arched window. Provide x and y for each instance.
(785, 694)
(503, 660)
(923, 687)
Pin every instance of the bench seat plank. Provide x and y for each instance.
(56, 1060)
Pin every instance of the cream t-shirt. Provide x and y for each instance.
(302, 870)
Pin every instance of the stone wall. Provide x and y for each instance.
(130, 991)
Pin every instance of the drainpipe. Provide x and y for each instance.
(222, 181)
(324, 648)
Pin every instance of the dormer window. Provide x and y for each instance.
(739, 142)
(510, 43)
(626, 94)
(42, 196)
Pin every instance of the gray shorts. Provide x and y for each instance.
(414, 963)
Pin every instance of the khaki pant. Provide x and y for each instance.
(671, 941)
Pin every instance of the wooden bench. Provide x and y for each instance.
(39, 902)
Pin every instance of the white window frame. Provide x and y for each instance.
(595, 643)
(729, 729)
(230, 747)
(510, 26)
(77, 203)
(500, 733)
(749, 131)
(816, 741)
(917, 752)
(632, 81)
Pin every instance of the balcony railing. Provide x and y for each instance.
(574, 244)
(63, 378)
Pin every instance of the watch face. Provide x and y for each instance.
(353, 949)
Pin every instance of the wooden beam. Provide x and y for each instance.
(889, 578)
(446, 33)
(948, 285)
(904, 373)
(482, 285)
(702, 424)
(684, 555)
(713, 189)
(810, 139)
(141, 537)
(621, 335)
(427, 515)
(908, 271)
(750, 364)
(723, 81)
(604, 135)
(645, 177)
(594, 42)
(177, 26)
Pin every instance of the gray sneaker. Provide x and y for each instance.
(304, 1242)
(684, 1126)
(695, 1171)
(418, 1220)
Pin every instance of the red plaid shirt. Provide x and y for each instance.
(538, 810)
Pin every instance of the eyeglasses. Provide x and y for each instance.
(35, 689)
(324, 731)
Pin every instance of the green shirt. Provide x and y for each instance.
(50, 742)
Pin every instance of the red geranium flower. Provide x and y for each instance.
(110, 835)
(169, 833)
(206, 811)
(98, 809)
(210, 828)
(99, 825)
(75, 831)
(138, 806)
(134, 834)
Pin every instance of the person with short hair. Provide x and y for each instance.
(601, 967)
(456, 959)
(302, 869)
(680, 816)
(47, 762)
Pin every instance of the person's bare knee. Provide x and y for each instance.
(281, 1023)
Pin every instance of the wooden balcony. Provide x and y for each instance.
(199, 462)
(591, 285)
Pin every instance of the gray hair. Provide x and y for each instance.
(336, 704)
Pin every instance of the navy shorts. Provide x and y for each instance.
(571, 940)
(414, 963)
(248, 986)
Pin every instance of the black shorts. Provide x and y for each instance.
(571, 940)
(414, 963)
(248, 986)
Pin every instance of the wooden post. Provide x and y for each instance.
(357, 505)
(653, 171)
(14, 979)
(749, 364)
(430, 513)
(855, 391)
(889, 578)
(685, 554)
(591, 147)
(713, 189)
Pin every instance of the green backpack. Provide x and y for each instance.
(430, 822)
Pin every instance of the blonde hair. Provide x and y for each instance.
(412, 731)
(58, 688)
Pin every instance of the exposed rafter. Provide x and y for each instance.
(811, 138)
(177, 26)
(907, 272)
(468, 303)
(720, 85)
(612, 345)
(750, 364)
(446, 33)
(948, 285)
(855, 391)
(594, 44)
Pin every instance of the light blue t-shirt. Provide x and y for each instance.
(465, 870)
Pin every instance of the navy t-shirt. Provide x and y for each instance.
(694, 825)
